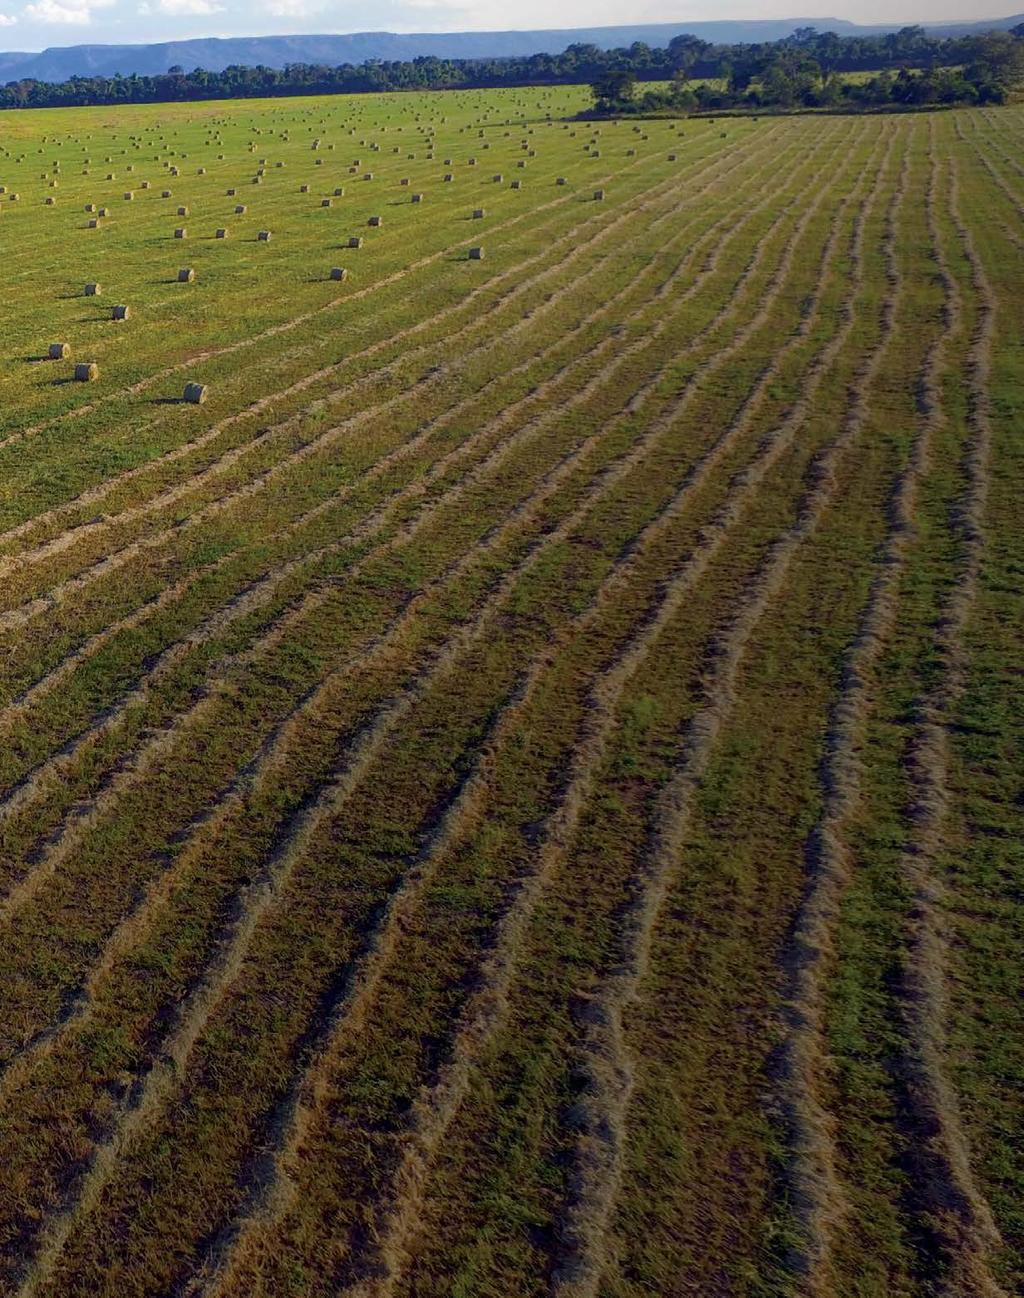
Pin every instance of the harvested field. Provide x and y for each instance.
(510, 772)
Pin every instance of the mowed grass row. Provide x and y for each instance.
(441, 701)
(232, 367)
(518, 802)
(465, 887)
(387, 254)
(533, 1102)
(495, 1232)
(643, 338)
(980, 863)
(130, 249)
(28, 720)
(77, 528)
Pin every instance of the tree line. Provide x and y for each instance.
(805, 70)
(811, 69)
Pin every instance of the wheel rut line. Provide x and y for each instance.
(165, 1072)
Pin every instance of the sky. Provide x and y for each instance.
(36, 24)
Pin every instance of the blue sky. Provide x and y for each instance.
(34, 24)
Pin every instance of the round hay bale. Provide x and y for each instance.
(165, 193)
(417, 198)
(230, 193)
(326, 202)
(339, 192)
(375, 221)
(120, 313)
(355, 241)
(476, 254)
(478, 213)
(303, 189)
(181, 232)
(59, 351)
(186, 275)
(129, 195)
(598, 195)
(93, 290)
(263, 236)
(51, 201)
(86, 372)
(448, 177)
(516, 184)
(240, 209)
(194, 394)
(94, 223)
(221, 233)
(183, 211)
(338, 272)
(560, 180)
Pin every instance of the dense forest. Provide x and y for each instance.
(805, 70)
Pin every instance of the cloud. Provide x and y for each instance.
(7, 20)
(64, 13)
(289, 8)
(181, 8)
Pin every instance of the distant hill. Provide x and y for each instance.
(213, 54)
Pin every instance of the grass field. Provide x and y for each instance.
(519, 792)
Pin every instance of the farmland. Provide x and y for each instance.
(517, 792)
